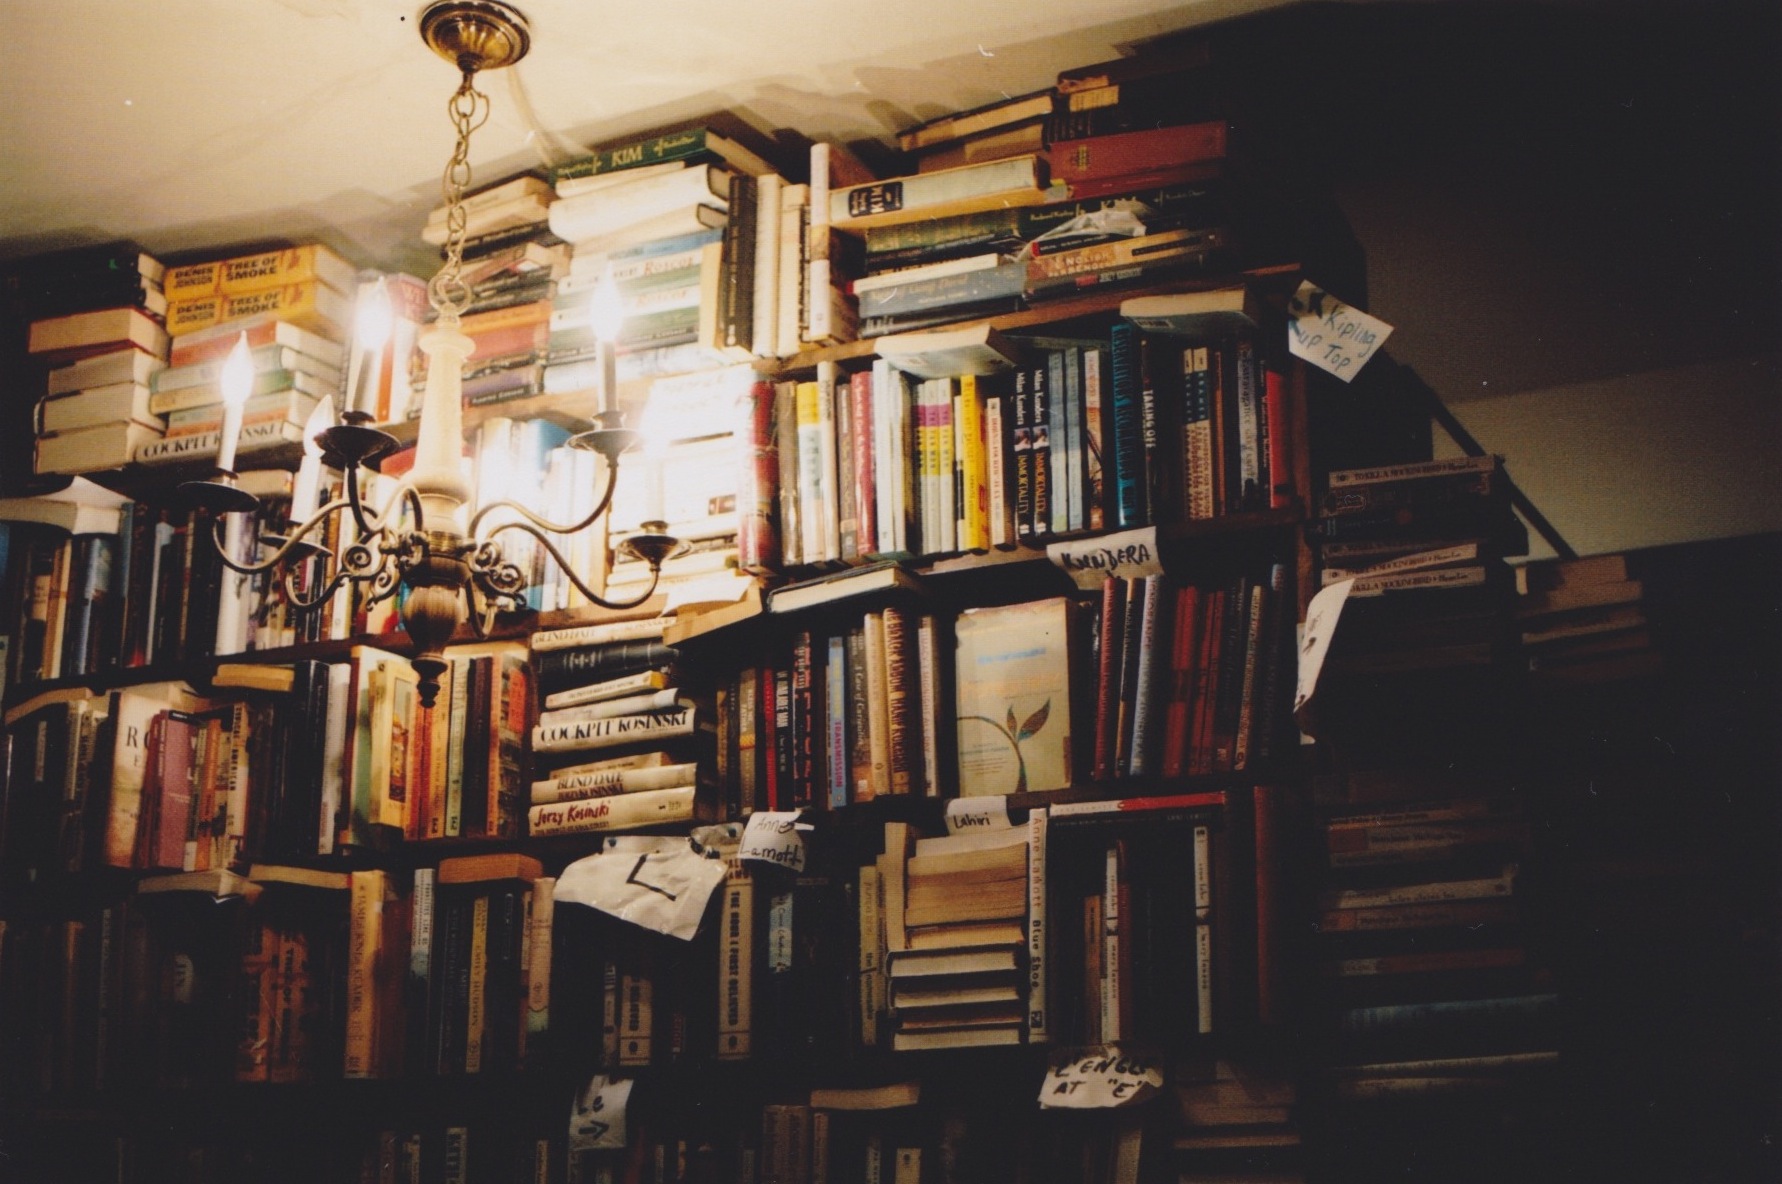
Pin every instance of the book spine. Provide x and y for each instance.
(1039, 1005)
(902, 698)
(643, 808)
(1128, 475)
(837, 759)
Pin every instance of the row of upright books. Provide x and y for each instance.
(270, 762)
(968, 440)
(284, 973)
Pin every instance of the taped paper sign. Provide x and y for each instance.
(657, 881)
(776, 837)
(1100, 1077)
(990, 812)
(1321, 622)
(1330, 334)
(597, 1121)
(1129, 555)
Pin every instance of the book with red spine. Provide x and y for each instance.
(1107, 681)
(1127, 153)
(757, 492)
(1184, 662)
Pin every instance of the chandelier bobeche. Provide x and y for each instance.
(419, 541)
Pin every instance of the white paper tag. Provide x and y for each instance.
(1101, 1077)
(986, 812)
(1129, 555)
(597, 1121)
(1330, 334)
(776, 837)
(656, 881)
(1321, 622)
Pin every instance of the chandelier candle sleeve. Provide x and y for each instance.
(237, 383)
(606, 316)
(307, 491)
(371, 329)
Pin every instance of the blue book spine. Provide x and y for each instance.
(1126, 460)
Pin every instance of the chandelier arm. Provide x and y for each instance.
(569, 571)
(372, 521)
(291, 543)
(612, 480)
(329, 588)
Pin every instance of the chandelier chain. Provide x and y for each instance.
(469, 109)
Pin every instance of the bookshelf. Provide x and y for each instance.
(1247, 1071)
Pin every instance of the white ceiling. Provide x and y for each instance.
(190, 125)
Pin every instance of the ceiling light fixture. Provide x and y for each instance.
(419, 542)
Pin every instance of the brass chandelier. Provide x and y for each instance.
(419, 542)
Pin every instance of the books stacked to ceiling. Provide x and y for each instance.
(956, 958)
(686, 226)
(295, 307)
(1584, 621)
(98, 325)
(1422, 548)
(1109, 178)
(618, 744)
(1439, 993)
(688, 477)
(511, 262)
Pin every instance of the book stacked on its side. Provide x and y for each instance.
(1584, 621)
(97, 321)
(299, 299)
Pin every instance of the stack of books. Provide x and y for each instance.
(1584, 620)
(1088, 184)
(686, 226)
(612, 689)
(959, 979)
(97, 321)
(512, 261)
(1237, 1120)
(298, 299)
(1425, 544)
(1424, 941)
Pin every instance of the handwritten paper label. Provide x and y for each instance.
(597, 1120)
(776, 837)
(657, 881)
(1330, 334)
(1321, 622)
(1129, 555)
(1100, 1077)
(986, 812)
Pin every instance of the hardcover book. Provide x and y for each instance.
(1016, 697)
